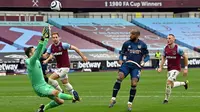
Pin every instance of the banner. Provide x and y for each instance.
(104, 3)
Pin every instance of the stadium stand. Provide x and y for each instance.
(186, 30)
(110, 33)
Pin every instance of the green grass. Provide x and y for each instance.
(16, 94)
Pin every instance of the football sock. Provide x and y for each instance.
(65, 96)
(177, 83)
(55, 84)
(51, 104)
(167, 92)
(69, 88)
(132, 93)
(116, 88)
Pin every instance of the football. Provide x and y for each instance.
(55, 5)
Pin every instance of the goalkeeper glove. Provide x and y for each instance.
(45, 33)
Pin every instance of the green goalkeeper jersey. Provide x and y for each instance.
(33, 65)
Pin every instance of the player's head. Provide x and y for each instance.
(29, 51)
(170, 39)
(55, 37)
(134, 34)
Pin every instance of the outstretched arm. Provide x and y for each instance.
(44, 46)
(42, 43)
(84, 58)
(36, 55)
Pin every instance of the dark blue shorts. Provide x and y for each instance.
(131, 68)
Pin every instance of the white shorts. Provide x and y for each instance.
(172, 74)
(62, 72)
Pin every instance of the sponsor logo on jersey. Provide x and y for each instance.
(171, 57)
(57, 53)
(134, 51)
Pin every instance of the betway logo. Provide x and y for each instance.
(194, 62)
(8, 66)
(112, 64)
(57, 53)
(89, 65)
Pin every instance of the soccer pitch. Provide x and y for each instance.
(95, 88)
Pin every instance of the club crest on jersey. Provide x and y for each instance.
(129, 46)
(59, 48)
(139, 46)
(174, 52)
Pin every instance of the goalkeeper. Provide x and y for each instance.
(35, 75)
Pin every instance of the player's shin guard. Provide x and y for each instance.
(50, 105)
(167, 92)
(132, 93)
(116, 88)
(55, 84)
(65, 96)
(69, 88)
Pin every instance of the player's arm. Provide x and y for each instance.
(44, 47)
(48, 54)
(145, 55)
(163, 59)
(185, 58)
(84, 58)
(36, 55)
(122, 53)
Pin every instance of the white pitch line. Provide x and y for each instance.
(141, 96)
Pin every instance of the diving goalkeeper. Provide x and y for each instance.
(35, 75)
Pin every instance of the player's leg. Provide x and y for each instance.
(123, 72)
(172, 74)
(56, 96)
(179, 83)
(57, 99)
(70, 89)
(135, 75)
(65, 81)
(53, 79)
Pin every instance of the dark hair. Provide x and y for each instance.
(28, 50)
(171, 35)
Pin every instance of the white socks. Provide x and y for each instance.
(168, 92)
(176, 84)
(69, 88)
(55, 84)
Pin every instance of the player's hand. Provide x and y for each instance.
(45, 62)
(185, 72)
(120, 62)
(142, 63)
(159, 69)
(45, 32)
(84, 58)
